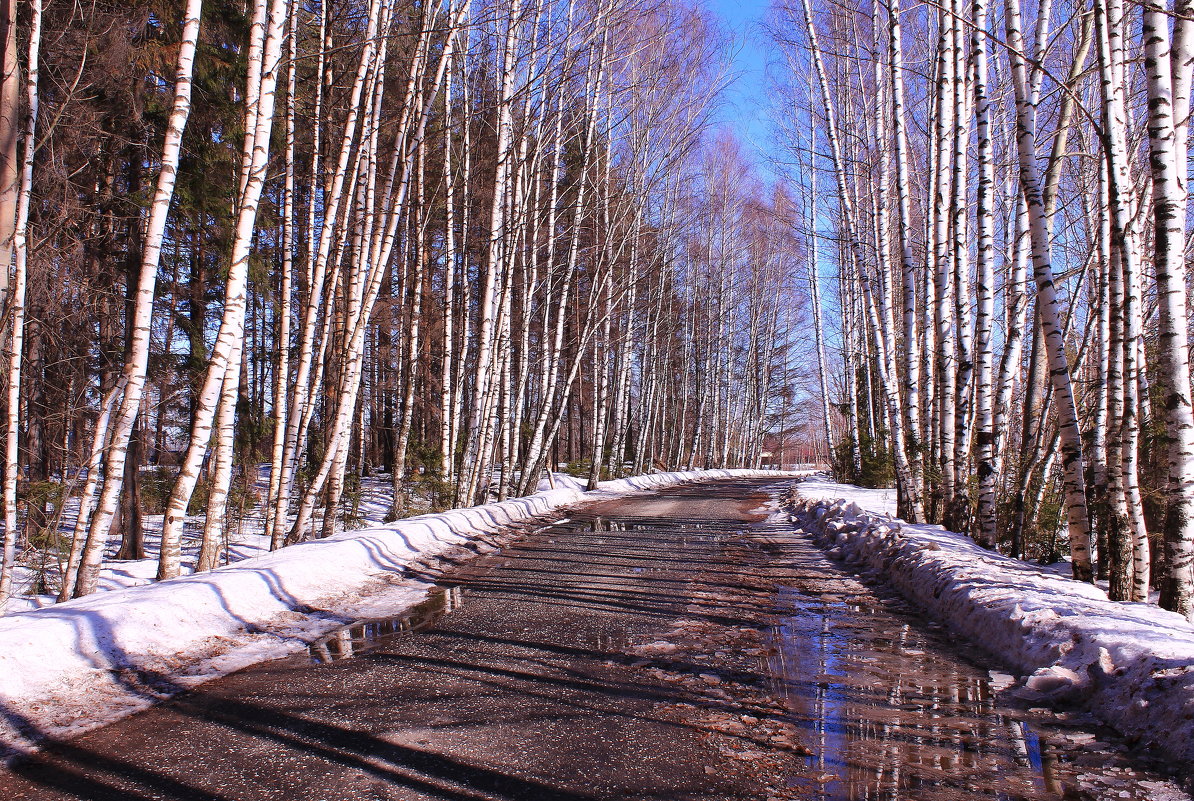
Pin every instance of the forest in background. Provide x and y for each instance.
(263, 253)
(1001, 189)
(453, 242)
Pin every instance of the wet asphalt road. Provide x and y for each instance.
(673, 646)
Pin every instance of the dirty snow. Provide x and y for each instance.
(76, 665)
(1131, 664)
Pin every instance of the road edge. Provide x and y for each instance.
(82, 664)
(1130, 665)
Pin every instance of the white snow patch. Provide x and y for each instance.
(561, 481)
(1131, 664)
(244, 538)
(819, 487)
(77, 665)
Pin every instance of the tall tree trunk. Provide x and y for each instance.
(908, 487)
(222, 380)
(960, 510)
(275, 502)
(986, 525)
(10, 138)
(943, 279)
(477, 444)
(814, 282)
(137, 362)
(1047, 304)
(912, 356)
(1126, 265)
(16, 298)
(1168, 67)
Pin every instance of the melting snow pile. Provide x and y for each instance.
(77, 665)
(1131, 664)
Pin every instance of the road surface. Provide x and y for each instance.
(671, 646)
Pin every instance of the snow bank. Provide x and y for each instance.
(78, 665)
(1131, 664)
(244, 539)
(561, 481)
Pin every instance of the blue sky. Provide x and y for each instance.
(746, 110)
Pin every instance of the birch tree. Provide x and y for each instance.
(1168, 63)
(223, 374)
(16, 299)
(1047, 305)
(137, 362)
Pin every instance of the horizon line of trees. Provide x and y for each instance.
(456, 241)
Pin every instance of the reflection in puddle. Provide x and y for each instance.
(889, 717)
(365, 636)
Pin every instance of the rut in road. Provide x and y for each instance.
(669, 646)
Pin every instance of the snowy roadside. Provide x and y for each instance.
(244, 538)
(77, 665)
(1131, 664)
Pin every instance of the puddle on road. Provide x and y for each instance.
(889, 716)
(369, 635)
(891, 708)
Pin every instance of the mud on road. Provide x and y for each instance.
(668, 646)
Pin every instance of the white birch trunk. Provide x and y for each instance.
(1169, 74)
(16, 307)
(10, 138)
(274, 499)
(319, 254)
(474, 457)
(908, 486)
(226, 350)
(986, 528)
(366, 282)
(1047, 304)
(960, 506)
(943, 285)
(138, 351)
(912, 356)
